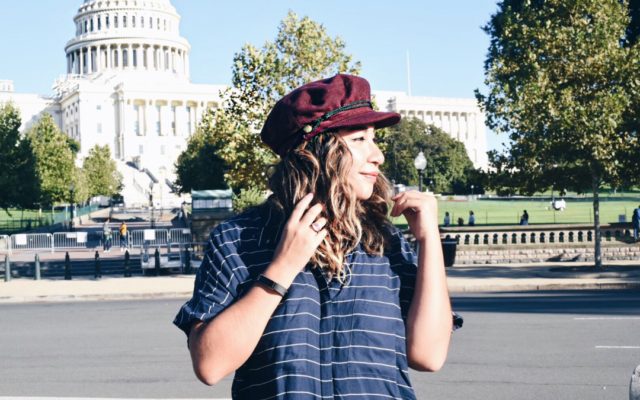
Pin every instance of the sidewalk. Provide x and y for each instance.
(482, 278)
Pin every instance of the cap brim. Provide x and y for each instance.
(358, 119)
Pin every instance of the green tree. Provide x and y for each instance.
(559, 75)
(200, 167)
(301, 52)
(17, 165)
(101, 174)
(54, 161)
(448, 165)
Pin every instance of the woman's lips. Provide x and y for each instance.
(370, 176)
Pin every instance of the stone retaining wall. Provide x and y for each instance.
(466, 255)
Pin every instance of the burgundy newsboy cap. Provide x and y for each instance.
(341, 101)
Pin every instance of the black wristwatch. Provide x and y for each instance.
(278, 288)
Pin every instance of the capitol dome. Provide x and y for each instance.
(127, 35)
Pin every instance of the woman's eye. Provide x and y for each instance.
(359, 139)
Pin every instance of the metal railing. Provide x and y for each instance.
(149, 237)
(138, 238)
(71, 240)
(5, 242)
(31, 241)
(180, 235)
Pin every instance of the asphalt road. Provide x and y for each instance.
(554, 345)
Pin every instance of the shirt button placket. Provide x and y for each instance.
(326, 343)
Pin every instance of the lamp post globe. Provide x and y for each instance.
(420, 162)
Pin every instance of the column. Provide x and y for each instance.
(150, 61)
(83, 61)
(98, 58)
(92, 60)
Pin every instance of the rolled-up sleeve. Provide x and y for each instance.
(217, 279)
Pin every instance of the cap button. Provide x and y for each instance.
(307, 128)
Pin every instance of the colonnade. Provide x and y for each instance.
(124, 56)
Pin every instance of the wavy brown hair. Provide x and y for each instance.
(321, 166)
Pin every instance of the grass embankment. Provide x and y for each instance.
(508, 212)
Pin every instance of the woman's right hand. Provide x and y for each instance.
(302, 234)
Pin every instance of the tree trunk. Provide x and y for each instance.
(596, 224)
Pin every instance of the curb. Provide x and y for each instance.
(95, 297)
(185, 295)
(453, 288)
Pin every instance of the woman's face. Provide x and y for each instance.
(366, 159)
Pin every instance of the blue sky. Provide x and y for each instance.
(444, 39)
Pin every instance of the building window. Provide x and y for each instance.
(98, 108)
(91, 25)
(150, 22)
(99, 128)
(133, 21)
(86, 26)
(115, 21)
(124, 21)
(136, 122)
(134, 54)
(140, 149)
(159, 120)
(165, 24)
(99, 22)
(158, 23)
(173, 120)
(189, 120)
(166, 60)
(125, 58)
(115, 57)
(106, 22)
(141, 22)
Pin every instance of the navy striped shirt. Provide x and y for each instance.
(324, 340)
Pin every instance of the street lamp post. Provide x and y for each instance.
(472, 192)
(151, 204)
(71, 203)
(420, 163)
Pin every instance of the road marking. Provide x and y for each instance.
(604, 318)
(617, 347)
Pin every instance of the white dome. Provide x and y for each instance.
(132, 35)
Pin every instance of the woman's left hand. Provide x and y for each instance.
(420, 209)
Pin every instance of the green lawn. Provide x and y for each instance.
(508, 212)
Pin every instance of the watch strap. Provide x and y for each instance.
(278, 288)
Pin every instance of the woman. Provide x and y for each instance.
(314, 293)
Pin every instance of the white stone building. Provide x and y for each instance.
(127, 85)
(460, 118)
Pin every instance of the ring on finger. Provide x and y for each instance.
(317, 226)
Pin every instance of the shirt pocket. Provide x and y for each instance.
(376, 328)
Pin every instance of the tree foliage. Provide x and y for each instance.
(100, 172)
(54, 161)
(448, 165)
(17, 165)
(561, 77)
(301, 52)
(200, 167)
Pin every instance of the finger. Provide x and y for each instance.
(397, 207)
(413, 205)
(320, 236)
(319, 224)
(311, 214)
(302, 205)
